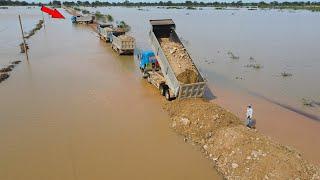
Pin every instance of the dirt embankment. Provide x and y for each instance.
(74, 12)
(71, 11)
(180, 61)
(236, 151)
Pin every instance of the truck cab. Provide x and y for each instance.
(148, 61)
(73, 19)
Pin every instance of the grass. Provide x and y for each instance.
(191, 8)
(109, 18)
(76, 8)
(307, 102)
(100, 16)
(286, 74)
(85, 11)
(174, 7)
(219, 8)
(232, 56)
(35, 29)
(124, 25)
(254, 65)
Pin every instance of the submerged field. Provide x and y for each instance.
(88, 112)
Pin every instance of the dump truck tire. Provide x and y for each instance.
(148, 79)
(162, 90)
(167, 94)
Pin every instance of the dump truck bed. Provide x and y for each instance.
(84, 19)
(123, 44)
(181, 74)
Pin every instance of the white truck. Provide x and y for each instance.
(87, 19)
(105, 31)
(186, 82)
(122, 44)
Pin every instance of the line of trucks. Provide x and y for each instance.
(168, 66)
(120, 41)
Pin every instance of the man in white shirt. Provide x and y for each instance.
(250, 122)
(249, 112)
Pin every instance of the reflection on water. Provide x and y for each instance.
(78, 111)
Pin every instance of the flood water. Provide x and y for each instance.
(279, 41)
(78, 111)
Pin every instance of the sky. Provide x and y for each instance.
(46, 1)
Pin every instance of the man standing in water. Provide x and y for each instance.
(250, 122)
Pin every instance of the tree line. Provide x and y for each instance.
(261, 4)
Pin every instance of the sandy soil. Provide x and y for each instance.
(236, 151)
(180, 61)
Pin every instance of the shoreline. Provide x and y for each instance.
(232, 124)
(292, 128)
(235, 150)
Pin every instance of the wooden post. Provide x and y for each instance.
(23, 39)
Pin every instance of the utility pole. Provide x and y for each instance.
(23, 39)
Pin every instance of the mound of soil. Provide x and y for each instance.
(236, 151)
(180, 61)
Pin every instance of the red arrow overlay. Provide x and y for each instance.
(53, 12)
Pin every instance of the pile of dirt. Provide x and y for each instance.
(180, 61)
(236, 151)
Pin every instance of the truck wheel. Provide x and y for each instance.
(167, 94)
(149, 79)
(145, 75)
(162, 91)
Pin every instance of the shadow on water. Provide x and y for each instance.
(209, 95)
(308, 115)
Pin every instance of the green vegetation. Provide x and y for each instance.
(109, 18)
(103, 17)
(124, 25)
(99, 16)
(85, 11)
(232, 56)
(254, 65)
(76, 8)
(34, 30)
(307, 102)
(191, 8)
(286, 74)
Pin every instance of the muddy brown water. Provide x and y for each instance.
(78, 111)
(280, 41)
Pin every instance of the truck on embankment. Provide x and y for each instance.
(105, 31)
(173, 72)
(79, 19)
(120, 41)
(122, 44)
